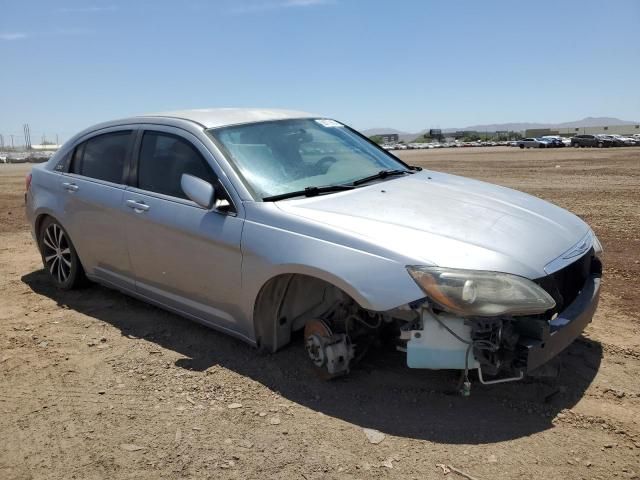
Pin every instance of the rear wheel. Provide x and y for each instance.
(600, 144)
(59, 256)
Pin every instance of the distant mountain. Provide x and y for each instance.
(380, 131)
(495, 127)
(595, 122)
(514, 127)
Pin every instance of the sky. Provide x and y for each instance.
(406, 64)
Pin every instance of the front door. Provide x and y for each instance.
(184, 256)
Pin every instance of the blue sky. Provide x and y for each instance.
(408, 64)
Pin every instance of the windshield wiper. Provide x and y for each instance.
(314, 191)
(309, 192)
(380, 174)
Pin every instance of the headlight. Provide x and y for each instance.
(480, 293)
(597, 246)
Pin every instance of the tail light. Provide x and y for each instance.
(27, 182)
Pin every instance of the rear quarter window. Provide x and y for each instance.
(62, 165)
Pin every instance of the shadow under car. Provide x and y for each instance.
(380, 393)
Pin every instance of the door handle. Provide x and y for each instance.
(138, 206)
(70, 187)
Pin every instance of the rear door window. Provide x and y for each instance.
(164, 158)
(102, 157)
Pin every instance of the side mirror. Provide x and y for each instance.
(198, 190)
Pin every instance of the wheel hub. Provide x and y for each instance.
(315, 350)
(329, 352)
(316, 334)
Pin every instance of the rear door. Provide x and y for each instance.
(184, 256)
(92, 192)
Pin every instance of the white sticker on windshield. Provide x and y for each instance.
(329, 123)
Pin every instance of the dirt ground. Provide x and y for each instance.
(94, 384)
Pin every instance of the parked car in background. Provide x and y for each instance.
(610, 141)
(622, 140)
(554, 140)
(532, 143)
(615, 141)
(589, 141)
(240, 219)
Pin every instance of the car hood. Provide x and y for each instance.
(450, 221)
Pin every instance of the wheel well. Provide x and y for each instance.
(287, 301)
(39, 221)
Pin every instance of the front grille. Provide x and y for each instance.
(565, 284)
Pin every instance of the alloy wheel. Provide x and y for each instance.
(57, 253)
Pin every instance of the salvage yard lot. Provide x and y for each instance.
(94, 384)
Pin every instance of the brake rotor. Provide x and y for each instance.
(317, 327)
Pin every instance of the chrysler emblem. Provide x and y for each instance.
(579, 250)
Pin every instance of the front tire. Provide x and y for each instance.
(59, 256)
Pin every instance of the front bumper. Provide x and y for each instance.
(565, 328)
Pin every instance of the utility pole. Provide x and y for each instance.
(11, 135)
(1, 142)
(27, 136)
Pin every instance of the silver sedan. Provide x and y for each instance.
(533, 143)
(274, 225)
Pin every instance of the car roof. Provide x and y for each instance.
(222, 117)
(199, 118)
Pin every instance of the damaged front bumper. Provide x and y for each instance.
(564, 329)
(446, 341)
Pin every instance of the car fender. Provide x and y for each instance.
(375, 282)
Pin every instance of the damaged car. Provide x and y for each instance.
(277, 226)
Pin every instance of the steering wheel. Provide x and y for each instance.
(324, 163)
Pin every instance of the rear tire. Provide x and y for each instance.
(600, 144)
(521, 146)
(59, 256)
